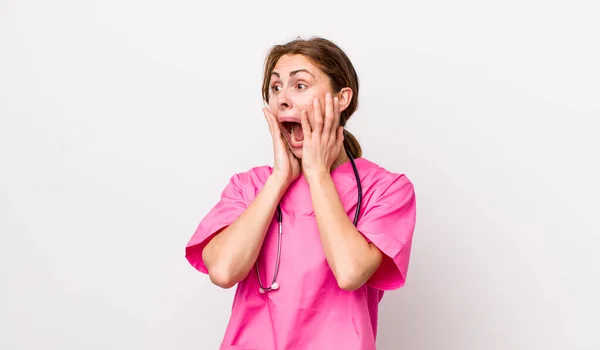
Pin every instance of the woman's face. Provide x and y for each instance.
(294, 83)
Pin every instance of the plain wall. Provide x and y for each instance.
(122, 121)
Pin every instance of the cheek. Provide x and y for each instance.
(301, 100)
(308, 100)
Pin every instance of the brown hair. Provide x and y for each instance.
(334, 63)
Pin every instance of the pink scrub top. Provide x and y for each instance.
(309, 310)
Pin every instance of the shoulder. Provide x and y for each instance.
(380, 180)
(251, 179)
(380, 176)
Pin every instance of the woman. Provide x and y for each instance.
(310, 269)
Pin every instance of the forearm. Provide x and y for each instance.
(231, 254)
(352, 259)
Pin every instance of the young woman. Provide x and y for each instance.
(314, 241)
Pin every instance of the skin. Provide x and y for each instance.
(299, 92)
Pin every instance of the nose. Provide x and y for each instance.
(283, 101)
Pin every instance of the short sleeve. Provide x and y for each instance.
(224, 213)
(389, 222)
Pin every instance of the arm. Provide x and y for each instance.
(231, 253)
(351, 257)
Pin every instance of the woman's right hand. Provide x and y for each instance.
(286, 166)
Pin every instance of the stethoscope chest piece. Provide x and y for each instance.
(273, 287)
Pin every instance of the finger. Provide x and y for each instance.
(309, 113)
(318, 126)
(268, 119)
(274, 122)
(340, 134)
(274, 127)
(336, 139)
(336, 115)
(305, 125)
(327, 124)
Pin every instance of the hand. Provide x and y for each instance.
(286, 166)
(322, 143)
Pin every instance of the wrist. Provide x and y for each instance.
(278, 183)
(317, 176)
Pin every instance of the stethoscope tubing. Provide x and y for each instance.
(274, 284)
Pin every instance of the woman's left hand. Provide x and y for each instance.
(324, 140)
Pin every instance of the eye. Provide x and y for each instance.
(275, 87)
(300, 86)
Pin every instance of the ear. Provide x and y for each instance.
(345, 96)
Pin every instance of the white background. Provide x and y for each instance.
(121, 122)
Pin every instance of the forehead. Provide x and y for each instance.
(290, 63)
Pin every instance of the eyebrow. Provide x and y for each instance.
(292, 73)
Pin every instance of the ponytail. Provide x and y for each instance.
(351, 144)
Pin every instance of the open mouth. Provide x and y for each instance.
(293, 133)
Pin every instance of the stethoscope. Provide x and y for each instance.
(274, 284)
